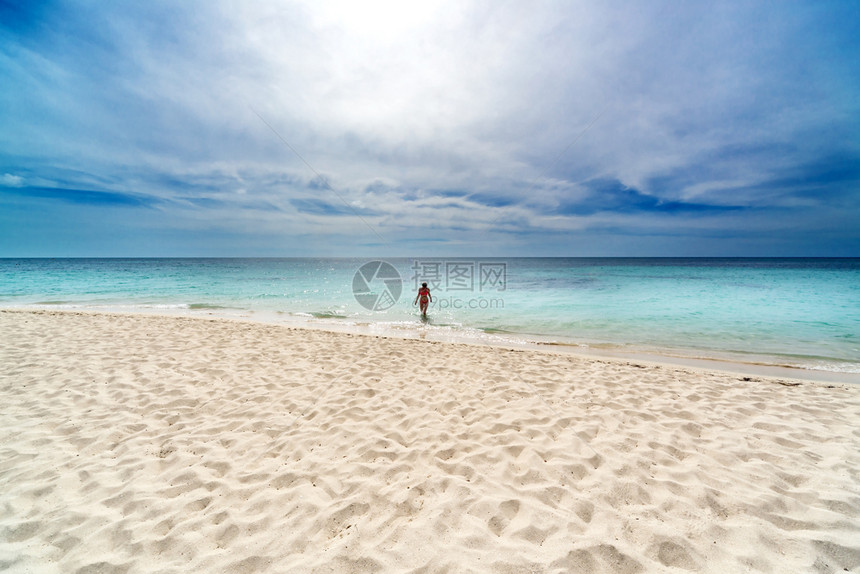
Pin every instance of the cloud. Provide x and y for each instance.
(315, 206)
(611, 195)
(83, 196)
(493, 124)
(9, 180)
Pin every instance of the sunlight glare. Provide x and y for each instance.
(377, 20)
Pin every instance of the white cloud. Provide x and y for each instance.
(9, 180)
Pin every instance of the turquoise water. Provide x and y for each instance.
(798, 312)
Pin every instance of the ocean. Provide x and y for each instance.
(800, 313)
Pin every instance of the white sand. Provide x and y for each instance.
(150, 444)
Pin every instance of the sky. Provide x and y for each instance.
(465, 128)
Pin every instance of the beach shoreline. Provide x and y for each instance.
(755, 366)
(743, 315)
(135, 443)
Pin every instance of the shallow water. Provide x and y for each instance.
(796, 312)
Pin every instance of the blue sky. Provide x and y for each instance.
(436, 128)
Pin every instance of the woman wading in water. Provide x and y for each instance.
(424, 297)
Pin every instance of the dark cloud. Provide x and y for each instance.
(425, 194)
(83, 196)
(830, 177)
(493, 200)
(314, 206)
(610, 195)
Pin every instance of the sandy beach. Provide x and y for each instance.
(136, 444)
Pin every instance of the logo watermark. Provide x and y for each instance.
(473, 303)
(377, 285)
(461, 275)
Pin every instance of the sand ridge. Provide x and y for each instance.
(135, 443)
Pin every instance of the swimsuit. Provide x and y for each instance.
(423, 294)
